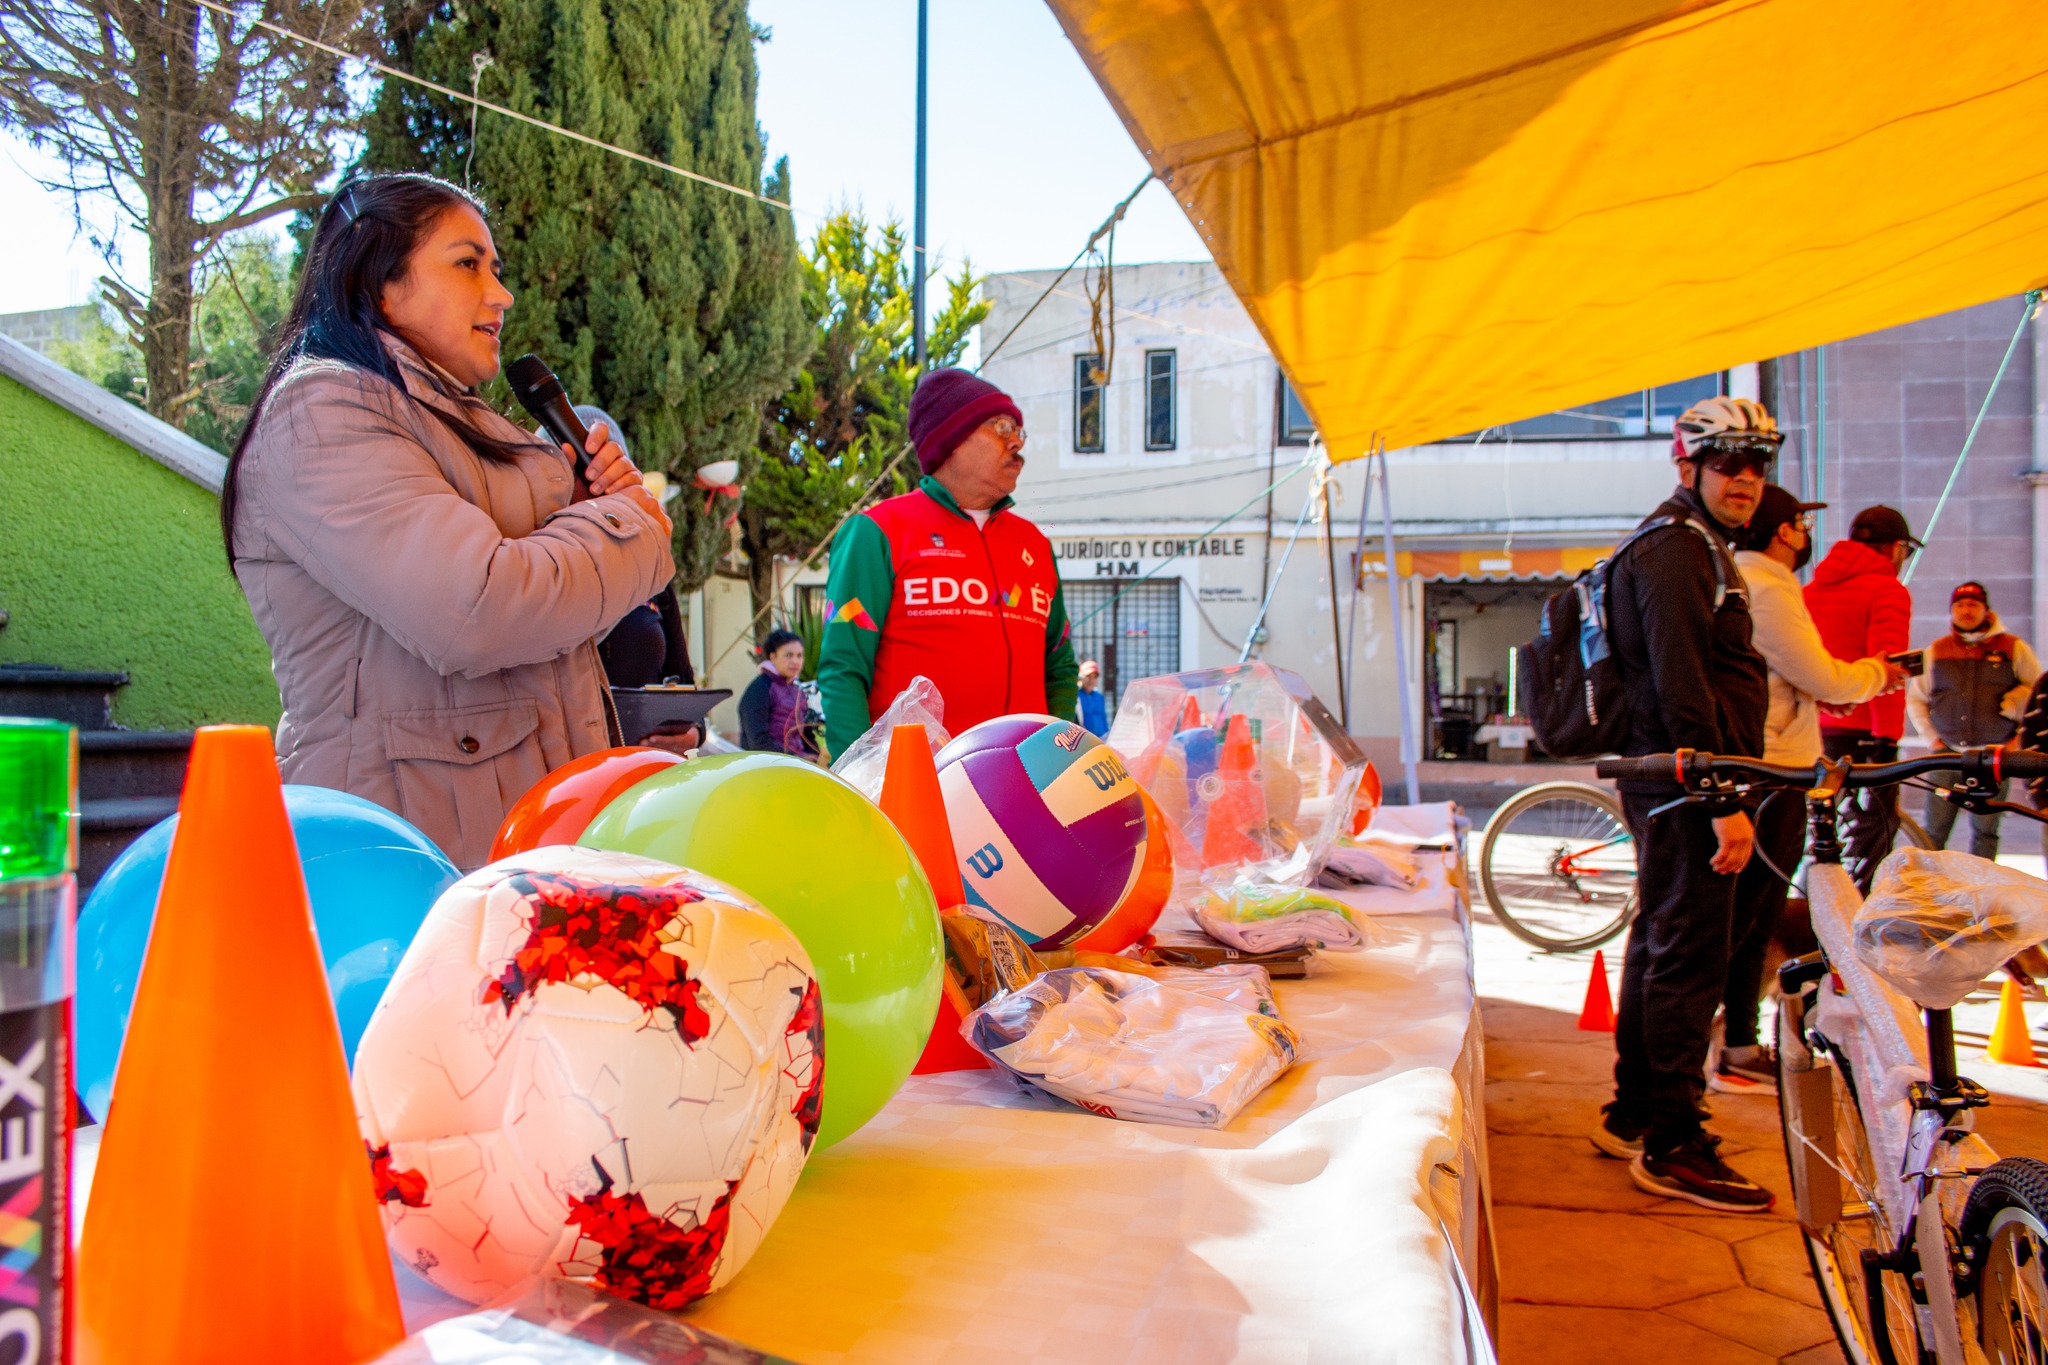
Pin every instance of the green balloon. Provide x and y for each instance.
(826, 862)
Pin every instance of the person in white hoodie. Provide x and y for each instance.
(1971, 691)
(1778, 543)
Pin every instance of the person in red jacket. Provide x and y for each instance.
(946, 581)
(1862, 609)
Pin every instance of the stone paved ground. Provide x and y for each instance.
(1593, 1270)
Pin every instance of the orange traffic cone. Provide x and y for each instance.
(231, 1148)
(1598, 1014)
(912, 801)
(2010, 1042)
(946, 1050)
(1240, 806)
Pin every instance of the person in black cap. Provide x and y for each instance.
(1971, 691)
(1863, 609)
(1776, 545)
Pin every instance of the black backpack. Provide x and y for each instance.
(1577, 703)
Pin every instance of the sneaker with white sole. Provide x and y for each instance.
(1694, 1171)
(1618, 1135)
(1744, 1071)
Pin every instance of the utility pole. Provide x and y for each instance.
(917, 264)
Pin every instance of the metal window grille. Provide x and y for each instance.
(1136, 635)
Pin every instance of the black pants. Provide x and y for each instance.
(1780, 819)
(1676, 970)
(1870, 815)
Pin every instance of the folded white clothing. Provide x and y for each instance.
(1131, 1047)
(1373, 863)
(1268, 919)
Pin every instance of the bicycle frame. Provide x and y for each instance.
(1922, 1133)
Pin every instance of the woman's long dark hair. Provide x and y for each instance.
(361, 243)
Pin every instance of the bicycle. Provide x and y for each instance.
(1926, 1245)
(1558, 866)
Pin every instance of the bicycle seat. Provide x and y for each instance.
(1937, 923)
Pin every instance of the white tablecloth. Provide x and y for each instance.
(1342, 1217)
(969, 1223)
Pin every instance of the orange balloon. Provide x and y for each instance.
(1136, 913)
(559, 807)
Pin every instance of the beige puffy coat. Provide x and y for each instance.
(1803, 673)
(431, 615)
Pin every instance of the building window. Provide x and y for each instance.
(1296, 428)
(1645, 412)
(1159, 432)
(1088, 404)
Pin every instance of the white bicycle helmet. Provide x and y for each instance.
(1724, 423)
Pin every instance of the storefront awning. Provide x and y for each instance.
(1448, 214)
(1486, 566)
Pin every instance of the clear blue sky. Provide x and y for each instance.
(1026, 155)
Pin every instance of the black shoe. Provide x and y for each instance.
(1694, 1170)
(1618, 1135)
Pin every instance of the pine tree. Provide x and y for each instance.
(841, 424)
(674, 305)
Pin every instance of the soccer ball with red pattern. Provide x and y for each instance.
(595, 1066)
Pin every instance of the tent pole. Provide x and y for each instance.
(1409, 747)
(1357, 588)
(1336, 620)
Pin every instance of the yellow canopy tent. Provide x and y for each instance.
(1446, 214)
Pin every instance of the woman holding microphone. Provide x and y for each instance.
(429, 576)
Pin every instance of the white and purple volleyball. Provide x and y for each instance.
(1047, 824)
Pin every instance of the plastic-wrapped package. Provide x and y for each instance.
(1131, 1047)
(1371, 862)
(1256, 777)
(1936, 923)
(1267, 919)
(562, 1323)
(867, 758)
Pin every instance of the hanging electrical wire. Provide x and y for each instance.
(394, 73)
(1108, 225)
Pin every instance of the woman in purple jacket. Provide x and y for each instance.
(773, 715)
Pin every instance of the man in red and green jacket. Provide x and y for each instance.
(947, 581)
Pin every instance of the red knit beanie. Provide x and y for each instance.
(947, 406)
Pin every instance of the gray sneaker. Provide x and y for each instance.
(1618, 1135)
(1744, 1071)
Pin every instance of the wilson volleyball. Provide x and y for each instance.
(1047, 824)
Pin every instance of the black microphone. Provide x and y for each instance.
(541, 394)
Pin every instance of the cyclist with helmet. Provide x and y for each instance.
(1679, 625)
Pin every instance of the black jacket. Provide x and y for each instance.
(1694, 680)
(2034, 735)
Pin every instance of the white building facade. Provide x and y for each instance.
(1153, 486)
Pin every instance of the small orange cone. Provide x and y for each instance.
(946, 1050)
(1598, 1014)
(2010, 1042)
(914, 804)
(231, 1154)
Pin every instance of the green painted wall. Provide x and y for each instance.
(109, 560)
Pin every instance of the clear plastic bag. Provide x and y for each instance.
(1253, 775)
(558, 1322)
(867, 758)
(1131, 1047)
(1262, 918)
(1937, 923)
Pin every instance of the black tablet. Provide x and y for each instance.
(643, 710)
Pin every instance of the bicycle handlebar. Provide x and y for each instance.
(1691, 768)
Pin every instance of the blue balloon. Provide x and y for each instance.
(370, 876)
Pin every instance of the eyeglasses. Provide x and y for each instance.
(1003, 428)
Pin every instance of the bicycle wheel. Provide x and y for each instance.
(1834, 1190)
(2005, 1231)
(1912, 834)
(1558, 867)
